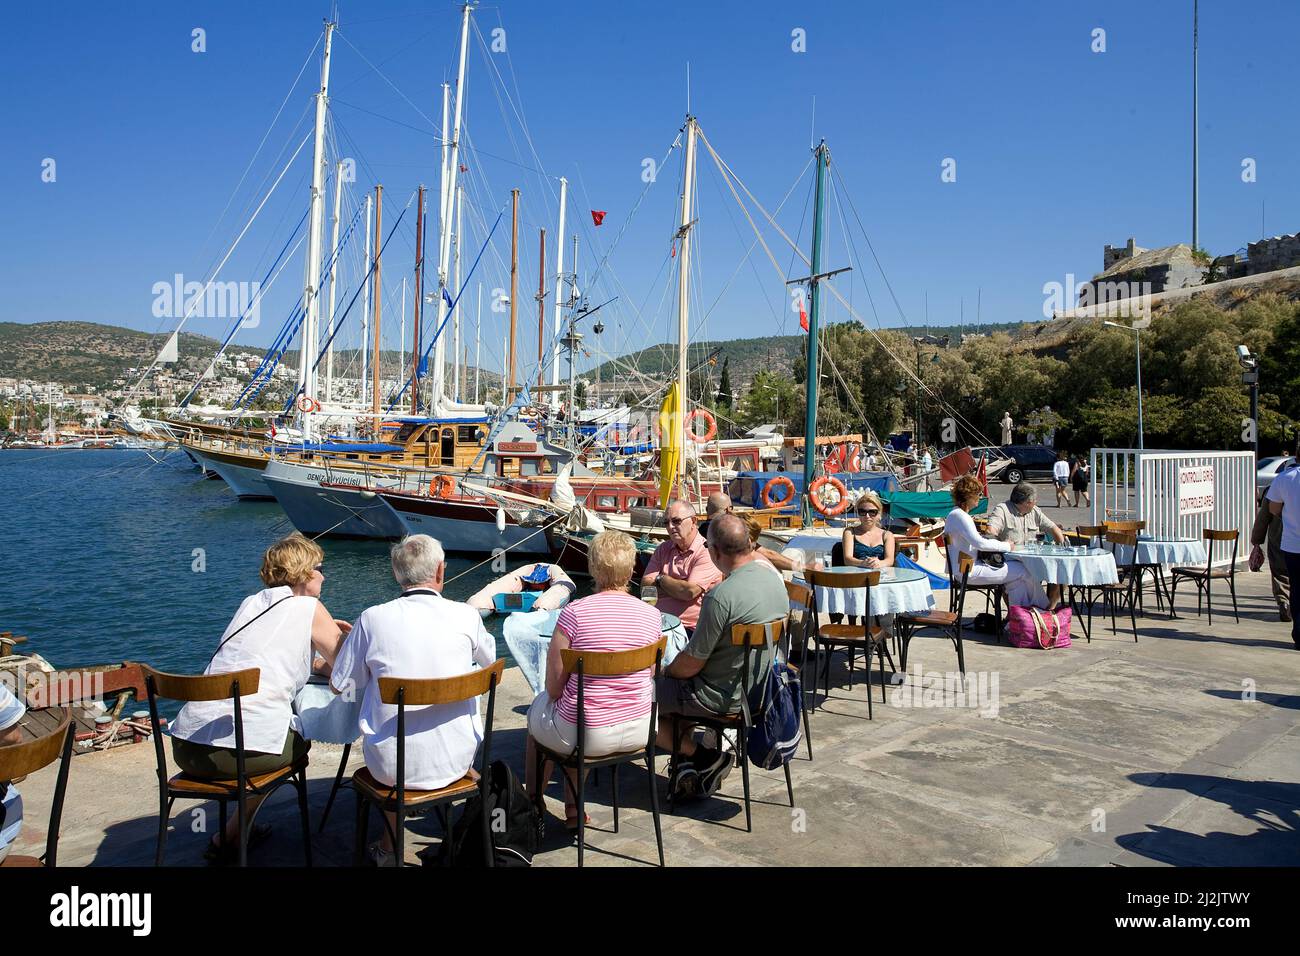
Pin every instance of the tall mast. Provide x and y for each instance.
(310, 338)
(541, 304)
(452, 171)
(558, 308)
(416, 336)
(1196, 20)
(814, 315)
(334, 268)
(401, 341)
(455, 316)
(478, 340)
(378, 298)
(514, 288)
(683, 286)
(365, 313)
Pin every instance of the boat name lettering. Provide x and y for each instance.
(521, 446)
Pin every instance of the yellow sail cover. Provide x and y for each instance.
(670, 442)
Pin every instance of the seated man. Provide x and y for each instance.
(704, 680)
(11, 804)
(681, 569)
(1019, 520)
(716, 504)
(420, 634)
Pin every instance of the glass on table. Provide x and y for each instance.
(649, 593)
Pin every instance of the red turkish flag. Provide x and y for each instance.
(803, 317)
(598, 216)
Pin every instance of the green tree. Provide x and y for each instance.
(724, 386)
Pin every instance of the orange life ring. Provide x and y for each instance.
(818, 485)
(305, 404)
(690, 431)
(442, 487)
(780, 481)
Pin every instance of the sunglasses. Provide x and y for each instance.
(679, 520)
(872, 512)
(318, 567)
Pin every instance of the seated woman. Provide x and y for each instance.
(964, 538)
(868, 545)
(617, 709)
(12, 710)
(276, 630)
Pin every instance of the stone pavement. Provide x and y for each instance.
(1182, 749)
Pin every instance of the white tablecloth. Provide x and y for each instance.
(1094, 568)
(900, 591)
(1188, 552)
(327, 716)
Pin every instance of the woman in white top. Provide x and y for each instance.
(964, 538)
(276, 630)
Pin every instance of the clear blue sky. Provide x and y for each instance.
(1059, 149)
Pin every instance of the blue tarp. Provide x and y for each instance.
(749, 485)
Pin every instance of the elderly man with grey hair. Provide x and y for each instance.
(419, 634)
(1020, 521)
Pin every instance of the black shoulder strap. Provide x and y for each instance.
(242, 626)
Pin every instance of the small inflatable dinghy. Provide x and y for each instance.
(533, 587)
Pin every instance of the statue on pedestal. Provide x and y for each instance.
(1006, 428)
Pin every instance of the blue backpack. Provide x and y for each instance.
(775, 729)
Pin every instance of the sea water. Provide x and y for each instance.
(112, 555)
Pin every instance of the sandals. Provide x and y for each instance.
(224, 854)
(571, 820)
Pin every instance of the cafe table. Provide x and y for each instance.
(900, 591)
(1068, 566)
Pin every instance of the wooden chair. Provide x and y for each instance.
(750, 637)
(993, 593)
(596, 664)
(1082, 597)
(801, 598)
(850, 636)
(1125, 591)
(18, 760)
(1155, 569)
(1202, 577)
(947, 623)
(182, 786)
(412, 692)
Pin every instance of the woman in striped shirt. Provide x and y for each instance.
(617, 709)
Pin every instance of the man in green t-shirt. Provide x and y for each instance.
(705, 679)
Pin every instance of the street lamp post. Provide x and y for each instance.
(1137, 335)
(1250, 377)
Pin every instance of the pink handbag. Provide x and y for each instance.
(1035, 627)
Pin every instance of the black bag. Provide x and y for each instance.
(512, 825)
(984, 623)
(994, 559)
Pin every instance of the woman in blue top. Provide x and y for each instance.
(868, 545)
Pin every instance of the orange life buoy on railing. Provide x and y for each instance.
(815, 497)
(442, 487)
(707, 416)
(305, 404)
(780, 481)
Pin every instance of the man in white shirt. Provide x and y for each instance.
(11, 803)
(1061, 479)
(1284, 499)
(418, 635)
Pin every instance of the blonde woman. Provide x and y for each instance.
(277, 630)
(868, 545)
(617, 709)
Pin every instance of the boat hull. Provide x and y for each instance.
(245, 481)
(339, 510)
(465, 525)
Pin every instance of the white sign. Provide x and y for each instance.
(1195, 490)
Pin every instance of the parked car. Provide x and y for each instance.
(1027, 461)
(1270, 468)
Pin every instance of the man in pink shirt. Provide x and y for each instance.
(681, 568)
